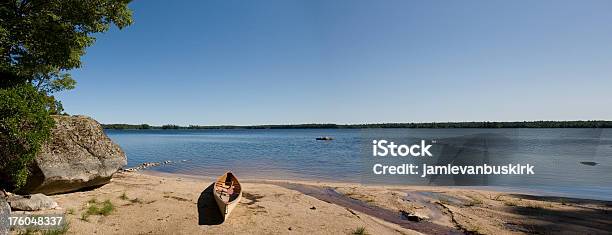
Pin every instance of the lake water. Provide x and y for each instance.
(295, 154)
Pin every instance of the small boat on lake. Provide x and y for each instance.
(325, 138)
(227, 192)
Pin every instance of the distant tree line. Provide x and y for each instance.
(126, 126)
(524, 124)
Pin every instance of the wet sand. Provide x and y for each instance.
(173, 204)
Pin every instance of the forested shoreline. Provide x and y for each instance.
(523, 124)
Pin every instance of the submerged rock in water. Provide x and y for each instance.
(146, 165)
(589, 163)
(78, 155)
(33, 202)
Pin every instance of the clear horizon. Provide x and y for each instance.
(349, 62)
(274, 124)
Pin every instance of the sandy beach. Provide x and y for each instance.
(174, 204)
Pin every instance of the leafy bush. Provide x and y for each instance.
(359, 231)
(25, 124)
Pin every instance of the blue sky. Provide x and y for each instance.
(349, 61)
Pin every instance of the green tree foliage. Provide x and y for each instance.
(40, 42)
(24, 125)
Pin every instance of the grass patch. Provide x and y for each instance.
(59, 231)
(359, 231)
(107, 208)
(92, 209)
(85, 217)
(124, 196)
(104, 208)
(28, 231)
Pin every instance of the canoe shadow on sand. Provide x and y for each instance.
(208, 211)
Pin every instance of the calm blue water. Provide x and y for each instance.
(295, 154)
(269, 154)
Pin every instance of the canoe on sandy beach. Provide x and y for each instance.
(228, 193)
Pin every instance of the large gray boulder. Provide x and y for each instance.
(33, 202)
(5, 212)
(78, 155)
